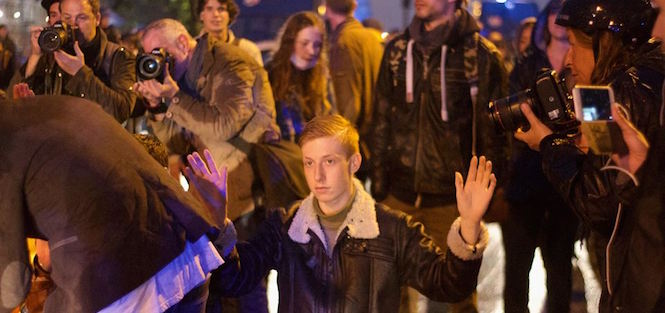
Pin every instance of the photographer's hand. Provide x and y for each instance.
(71, 64)
(473, 197)
(154, 91)
(35, 51)
(536, 133)
(637, 144)
(209, 184)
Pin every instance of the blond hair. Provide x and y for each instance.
(332, 126)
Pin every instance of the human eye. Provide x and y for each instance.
(308, 163)
(330, 161)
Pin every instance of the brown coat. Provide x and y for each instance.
(233, 98)
(355, 57)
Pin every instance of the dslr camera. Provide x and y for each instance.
(56, 37)
(549, 100)
(152, 65)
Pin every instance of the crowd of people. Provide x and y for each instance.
(359, 170)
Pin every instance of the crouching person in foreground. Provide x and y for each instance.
(340, 251)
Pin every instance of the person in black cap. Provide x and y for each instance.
(610, 46)
(537, 215)
(52, 8)
(93, 68)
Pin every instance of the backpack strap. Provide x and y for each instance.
(471, 73)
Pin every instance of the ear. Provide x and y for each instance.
(182, 43)
(354, 162)
(98, 17)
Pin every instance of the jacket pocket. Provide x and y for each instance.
(378, 248)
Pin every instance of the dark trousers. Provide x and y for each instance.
(548, 223)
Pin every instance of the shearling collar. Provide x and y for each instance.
(360, 221)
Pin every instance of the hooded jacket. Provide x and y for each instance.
(422, 132)
(378, 250)
(599, 194)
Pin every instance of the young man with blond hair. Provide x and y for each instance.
(340, 251)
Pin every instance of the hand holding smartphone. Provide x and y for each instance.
(593, 108)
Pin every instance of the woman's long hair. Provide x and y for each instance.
(313, 87)
(613, 55)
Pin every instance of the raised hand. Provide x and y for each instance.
(209, 183)
(473, 197)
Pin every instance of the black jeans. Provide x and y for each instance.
(545, 222)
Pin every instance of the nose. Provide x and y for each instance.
(568, 59)
(319, 174)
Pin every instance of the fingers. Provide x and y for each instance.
(487, 173)
(492, 182)
(197, 164)
(526, 110)
(459, 184)
(481, 168)
(619, 116)
(473, 169)
(77, 49)
(211, 163)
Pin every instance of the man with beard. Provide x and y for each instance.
(94, 69)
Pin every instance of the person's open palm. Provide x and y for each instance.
(209, 183)
(473, 197)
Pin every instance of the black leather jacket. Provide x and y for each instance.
(364, 272)
(410, 141)
(599, 196)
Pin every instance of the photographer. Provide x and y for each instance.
(609, 45)
(233, 103)
(94, 68)
(537, 216)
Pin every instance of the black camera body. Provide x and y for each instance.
(549, 100)
(56, 37)
(152, 65)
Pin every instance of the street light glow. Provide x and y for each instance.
(17, 14)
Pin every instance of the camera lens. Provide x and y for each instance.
(51, 39)
(505, 113)
(149, 67)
